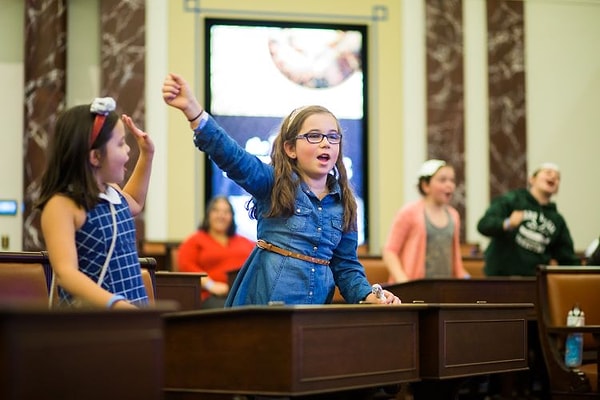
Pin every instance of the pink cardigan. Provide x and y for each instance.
(408, 239)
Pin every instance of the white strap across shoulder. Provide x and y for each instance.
(113, 214)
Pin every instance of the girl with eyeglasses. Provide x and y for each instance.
(305, 209)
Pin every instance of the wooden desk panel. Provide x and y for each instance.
(182, 287)
(459, 340)
(80, 354)
(290, 350)
(489, 290)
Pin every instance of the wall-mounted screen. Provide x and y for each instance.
(257, 72)
(8, 207)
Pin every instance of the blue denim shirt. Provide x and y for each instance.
(315, 230)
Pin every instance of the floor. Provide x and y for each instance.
(489, 387)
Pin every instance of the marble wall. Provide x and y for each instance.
(506, 88)
(123, 58)
(506, 94)
(44, 95)
(445, 91)
(122, 32)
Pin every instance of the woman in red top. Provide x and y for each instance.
(215, 249)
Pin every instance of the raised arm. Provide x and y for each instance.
(136, 189)
(500, 217)
(244, 168)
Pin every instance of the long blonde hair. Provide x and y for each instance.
(287, 173)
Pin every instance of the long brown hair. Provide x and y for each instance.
(287, 173)
(68, 169)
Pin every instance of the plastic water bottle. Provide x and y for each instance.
(574, 343)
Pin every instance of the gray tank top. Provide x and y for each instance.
(438, 258)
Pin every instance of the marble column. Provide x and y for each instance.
(445, 91)
(123, 57)
(506, 87)
(45, 84)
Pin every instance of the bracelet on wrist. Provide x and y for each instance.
(209, 284)
(114, 299)
(196, 117)
(506, 224)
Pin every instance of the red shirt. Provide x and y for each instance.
(201, 253)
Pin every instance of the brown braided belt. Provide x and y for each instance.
(269, 247)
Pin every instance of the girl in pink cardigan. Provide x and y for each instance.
(424, 240)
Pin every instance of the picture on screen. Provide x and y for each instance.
(257, 72)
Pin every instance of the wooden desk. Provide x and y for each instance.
(489, 290)
(289, 350)
(459, 340)
(492, 290)
(465, 340)
(182, 287)
(304, 350)
(77, 354)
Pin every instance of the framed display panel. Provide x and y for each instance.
(257, 72)
(8, 207)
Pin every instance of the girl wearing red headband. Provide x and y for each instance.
(86, 216)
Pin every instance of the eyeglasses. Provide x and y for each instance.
(317, 137)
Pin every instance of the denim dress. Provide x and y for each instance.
(315, 229)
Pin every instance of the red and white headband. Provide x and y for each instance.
(101, 106)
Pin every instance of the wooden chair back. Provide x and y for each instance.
(174, 258)
(148, 266)
(24, 278)
(559, 288)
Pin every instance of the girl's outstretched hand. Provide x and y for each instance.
(177, 93)
(143, 140)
